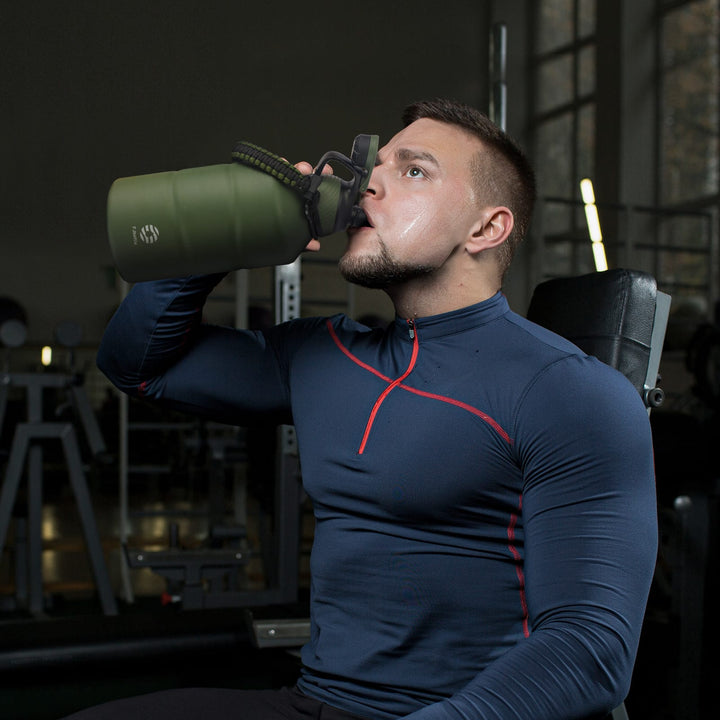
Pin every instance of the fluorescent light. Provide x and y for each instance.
(599, 254)
(593, 223)
(588, 193)
(46, 356)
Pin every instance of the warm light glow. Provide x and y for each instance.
(46, 356)
(593, 223)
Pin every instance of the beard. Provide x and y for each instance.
(380, 271)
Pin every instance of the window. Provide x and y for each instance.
(688, 145)
(689, 102)
(677, 84)
(564, 123)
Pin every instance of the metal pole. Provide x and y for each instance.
(498, 75)
(287, 489)
(123, 480)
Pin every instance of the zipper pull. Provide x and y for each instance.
(411, 328)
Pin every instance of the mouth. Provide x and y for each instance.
(360, 218)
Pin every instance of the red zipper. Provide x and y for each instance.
(392, 385)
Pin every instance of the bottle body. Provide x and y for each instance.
(203, 220)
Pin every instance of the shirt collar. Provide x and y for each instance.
(457, 320)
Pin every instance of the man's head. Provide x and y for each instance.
(441, 203)
(501, 173)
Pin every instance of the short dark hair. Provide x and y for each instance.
(503, 175)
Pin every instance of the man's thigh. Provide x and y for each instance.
(204, 704)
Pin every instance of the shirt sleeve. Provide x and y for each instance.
(156, 346)
(590, 542)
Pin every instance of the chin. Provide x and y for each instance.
(362, 246)
(356, 236)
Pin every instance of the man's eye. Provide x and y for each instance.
(415, 172)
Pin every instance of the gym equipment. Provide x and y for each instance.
(27, 447)
(617, 315)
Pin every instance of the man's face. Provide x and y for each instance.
(420, 203)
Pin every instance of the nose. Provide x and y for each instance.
(375, 185)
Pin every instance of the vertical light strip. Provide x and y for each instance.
(593, 223)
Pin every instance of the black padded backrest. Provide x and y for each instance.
(607, 314)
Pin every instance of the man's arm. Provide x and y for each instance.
(590, 542)
(156, 347)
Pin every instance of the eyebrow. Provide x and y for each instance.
(407, 155)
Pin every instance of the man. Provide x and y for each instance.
(484, 496)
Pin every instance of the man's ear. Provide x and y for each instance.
(491, 229)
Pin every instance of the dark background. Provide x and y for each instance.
(95, 90)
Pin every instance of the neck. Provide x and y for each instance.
(422, 298)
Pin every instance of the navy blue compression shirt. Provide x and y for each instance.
(484, 494)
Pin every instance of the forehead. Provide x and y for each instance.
(450, 145)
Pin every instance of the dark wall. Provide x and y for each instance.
(92, 90)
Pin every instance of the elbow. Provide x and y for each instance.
(106, 361)
(614, 691)
(593, 661)
(103, 361)
(109, 362)
(610, 658)
(616, 678)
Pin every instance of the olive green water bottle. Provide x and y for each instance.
(255, 211)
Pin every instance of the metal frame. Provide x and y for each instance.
(27, 447)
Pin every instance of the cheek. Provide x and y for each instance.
(429, 226)
(417, 221)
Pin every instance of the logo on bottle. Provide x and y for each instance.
(148, 234)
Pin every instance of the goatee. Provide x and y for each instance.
(379, 271)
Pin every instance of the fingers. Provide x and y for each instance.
(306, 168)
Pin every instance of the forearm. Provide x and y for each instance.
(554, 675)
(151, 330)
(577, 662)
(157, 347)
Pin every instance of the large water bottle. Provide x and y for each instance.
(256, 211)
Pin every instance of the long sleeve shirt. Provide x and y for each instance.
(483, 492)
